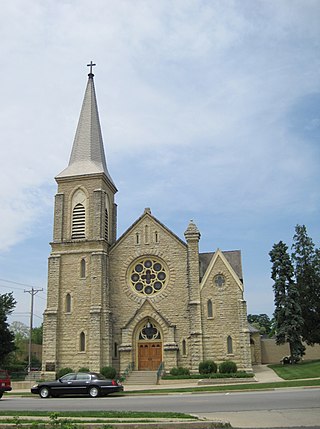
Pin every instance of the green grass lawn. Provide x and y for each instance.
(301, 370)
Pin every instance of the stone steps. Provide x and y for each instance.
(33, 375)
(142, 377)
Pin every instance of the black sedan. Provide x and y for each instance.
(80, 383)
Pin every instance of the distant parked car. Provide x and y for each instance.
(288, 360)
(80, 383)
(5, 382)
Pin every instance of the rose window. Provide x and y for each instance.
(148, 276)
(219, 280)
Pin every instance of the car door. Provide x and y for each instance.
(81, 383)
(64, 386)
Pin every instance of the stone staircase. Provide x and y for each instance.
(33, 375)
(141, 378)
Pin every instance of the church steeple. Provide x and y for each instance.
(87, 156)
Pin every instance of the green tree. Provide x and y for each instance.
(261, 322)
(287, 314)
(37, 334)
(306, 261)
(21, 336)
(7, 304)
(20, 330)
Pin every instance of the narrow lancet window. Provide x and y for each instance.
(184, 347)
(83, 268)
(68, 303)
(82, 342)
(229, 345)
(210, 311)
(146, 234)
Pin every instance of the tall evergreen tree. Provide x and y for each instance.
(287, 314)
(7, 304)
(306, 260)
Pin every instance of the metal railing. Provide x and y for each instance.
(127, 371)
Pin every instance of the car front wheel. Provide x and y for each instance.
(94, 392)
(44, 392)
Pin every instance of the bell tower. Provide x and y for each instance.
(77, 328)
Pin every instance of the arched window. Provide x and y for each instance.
(146, 234)
(83, 268)
(229, 345)
(78, 221)
(209, 307)
(184, 347)
(68, 303)
(82, 342)
(115, 350)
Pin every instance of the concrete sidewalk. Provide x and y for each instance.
(263, 374)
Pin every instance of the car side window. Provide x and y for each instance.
(68, 377)
(82, 376)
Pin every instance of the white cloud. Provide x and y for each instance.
(198, 95)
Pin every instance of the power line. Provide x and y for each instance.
(16, 283)
(11, 287)
(17, 313)
(19, 288)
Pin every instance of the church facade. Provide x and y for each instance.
(143, 299)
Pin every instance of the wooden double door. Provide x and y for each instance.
(149, 356)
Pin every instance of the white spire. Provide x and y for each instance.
(87, 156)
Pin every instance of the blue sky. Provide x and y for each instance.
(210, 111)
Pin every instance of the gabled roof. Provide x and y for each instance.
(212, 262)
(252, 329)
(147, 213)
(147, 304)
(87, 156)
(232, 256)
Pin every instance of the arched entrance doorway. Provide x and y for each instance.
(149, 347)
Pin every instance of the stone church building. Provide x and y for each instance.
(144, 298)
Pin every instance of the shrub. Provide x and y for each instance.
(108, 372)
(180, 370)
(228, 367)
(207, 367)
(15, 367)
(63, 371)
(84, 369)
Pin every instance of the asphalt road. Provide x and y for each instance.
(278, 408)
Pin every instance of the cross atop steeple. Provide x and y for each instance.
(91, 65)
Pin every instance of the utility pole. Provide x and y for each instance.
(32, 292)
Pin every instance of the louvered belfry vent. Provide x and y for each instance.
(78, 221)
(106, 226)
